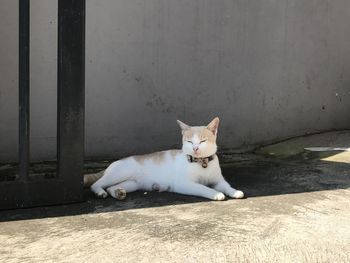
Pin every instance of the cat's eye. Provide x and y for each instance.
(203, 141)
(189, 141)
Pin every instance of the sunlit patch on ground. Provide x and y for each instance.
(342, 157)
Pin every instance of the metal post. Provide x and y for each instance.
(71, 89)
(23, 72)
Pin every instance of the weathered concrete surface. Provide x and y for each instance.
(269, 69)
(297, 210)
(335, 139)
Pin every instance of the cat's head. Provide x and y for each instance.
(199, 141)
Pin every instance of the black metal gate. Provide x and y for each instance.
(67, 185)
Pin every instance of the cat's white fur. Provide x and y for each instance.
(170, 170)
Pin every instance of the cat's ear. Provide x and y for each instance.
(182, 125)
(213, 126)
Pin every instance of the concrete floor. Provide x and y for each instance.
(297, 210)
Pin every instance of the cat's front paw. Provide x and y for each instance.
(237, 194)
(219, 197)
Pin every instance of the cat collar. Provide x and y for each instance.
(203, 161)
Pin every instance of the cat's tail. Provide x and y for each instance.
(89, 179)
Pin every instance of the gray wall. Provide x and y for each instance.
(270, 69)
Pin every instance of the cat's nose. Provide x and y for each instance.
(195, 148)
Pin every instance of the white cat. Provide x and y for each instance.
(194, 170)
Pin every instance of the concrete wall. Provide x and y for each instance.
(270, 69)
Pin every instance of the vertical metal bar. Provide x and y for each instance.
(23, 74)
(71, 90)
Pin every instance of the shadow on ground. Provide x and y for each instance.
(258, 175)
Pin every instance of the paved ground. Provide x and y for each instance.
(297, 210)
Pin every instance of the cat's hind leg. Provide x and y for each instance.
(116, 173)
(119, 191)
